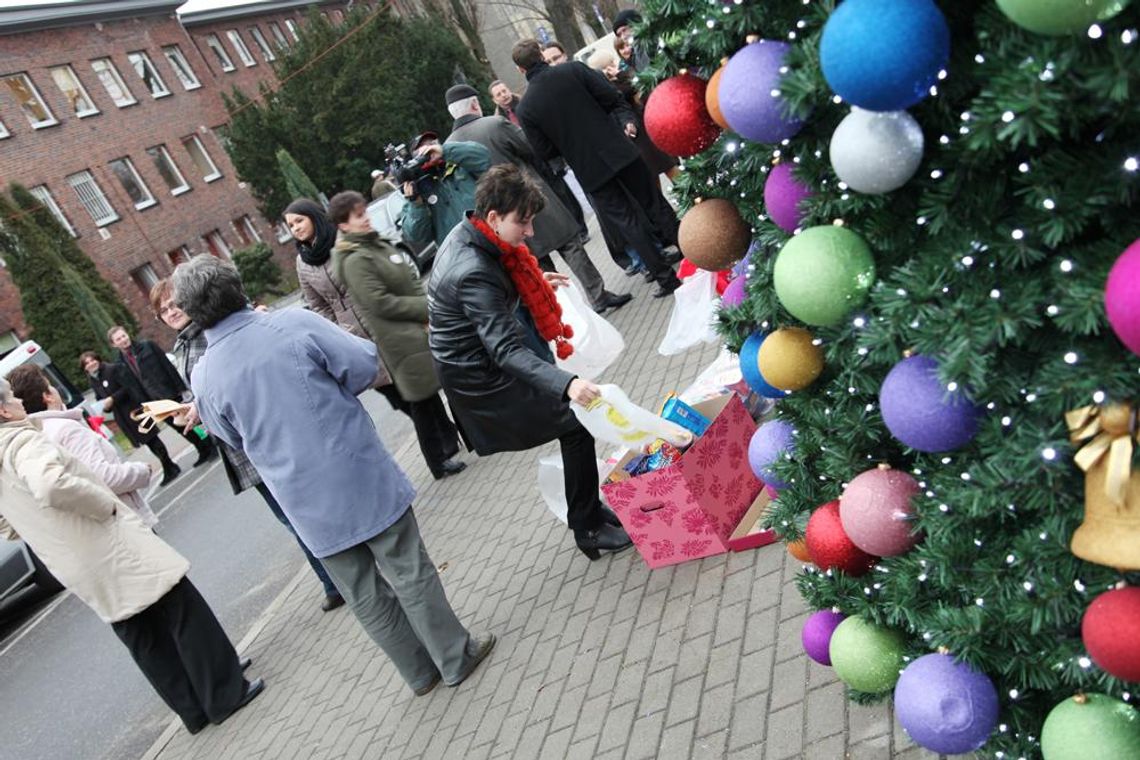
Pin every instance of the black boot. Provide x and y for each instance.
(609, 518)
(605, 537)
(447, 469)
(207, 450)
(170, 471)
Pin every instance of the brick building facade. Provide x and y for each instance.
(109, 113)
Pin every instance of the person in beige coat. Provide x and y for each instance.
(66, 427)
(100, 551)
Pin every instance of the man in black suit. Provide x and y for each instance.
(148, 364)
(567, 111)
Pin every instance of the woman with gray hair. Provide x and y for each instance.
(101, 551)
(282, 387)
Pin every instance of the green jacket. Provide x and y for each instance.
(386, 290)
(423, 223)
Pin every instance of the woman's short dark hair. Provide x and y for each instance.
(208, 290)
(505, 188)
(343, 204)
(83, 357)
(527, 54)
(29, 384)
(159, 293)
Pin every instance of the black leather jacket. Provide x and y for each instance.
(505, 395)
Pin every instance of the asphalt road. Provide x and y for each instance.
(68, 688)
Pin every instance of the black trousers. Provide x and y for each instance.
(394, 398)
(158, 448)
(632, 202)
(182, 650)
(580, 470)
(203, 445)
(439, 440)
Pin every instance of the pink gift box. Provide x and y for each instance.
(690, 509)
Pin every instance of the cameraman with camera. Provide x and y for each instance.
(439, 183)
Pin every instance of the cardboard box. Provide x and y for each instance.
(749, 534)
(690, 509)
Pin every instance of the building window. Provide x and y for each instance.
(179, 255)
(136, 189)
(216, 244)
(168, 169)
(3, 131)
(291, 25)
(246, 232)
(201, 158)
(92, 198)
(181, 67)
(239, 45)
(9, 342)
(278, 35)
(43, 195)
(148, 74)
(262, 44)
(112, 82)
(220, 53)
(33, 106)
(145, 277)
(73, 90)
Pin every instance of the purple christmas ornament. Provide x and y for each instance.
(921, 412)
(770, 443)
(946, 706)
(734, 294)
(782, 196)
(816, 634)
(746, 96)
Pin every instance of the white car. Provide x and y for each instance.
(384, 213)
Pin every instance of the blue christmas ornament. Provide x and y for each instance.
(884, 55)
(750, 367)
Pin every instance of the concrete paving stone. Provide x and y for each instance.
(820, 675)
(642, 642)
(785, 733)
(644, 737)
(729, 624)
(614, 754)
(630, 682)
(490, 725)
(592, 717)
(605, 676)
(878, 748)
(788, 638)
(616, 730)
(694, 656)
(685, 578)
(655, 693)
(684, 702)
(791, 605)
(709, 747)
(556, 744)
(676, 612)
(917, 753)
(617, 637)
(702, 618)
(676, 742)
(867, 721)
(478, 753)
(724, 664)
(829, 748)
(788, 682)
(652, 606)
(545, 701)
(737, 587)
(755, 673)
(710, 582)
(666, 650)
(583, 750)
(716, 709)
(569, 705)
(749, 720)
(510, 732)
(827, 711)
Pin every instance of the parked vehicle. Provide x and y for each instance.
(384, 213)
(31, 352)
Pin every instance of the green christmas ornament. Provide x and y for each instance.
(866, 656)
(823, 273)
(1059, 16)
(1091, 725)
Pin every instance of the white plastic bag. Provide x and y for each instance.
(694, 315)
(596, 342)
(615, 419)
(552, 483)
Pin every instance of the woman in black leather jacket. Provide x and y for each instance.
(492, 356)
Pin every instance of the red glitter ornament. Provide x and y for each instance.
(829, 545)
(677, 118)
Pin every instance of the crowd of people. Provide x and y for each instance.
(481, 337)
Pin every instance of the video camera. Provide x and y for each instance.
(423, 172)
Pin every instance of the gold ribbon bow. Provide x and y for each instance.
(1111, 429)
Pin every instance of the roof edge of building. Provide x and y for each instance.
(77, 12)
(254, 8)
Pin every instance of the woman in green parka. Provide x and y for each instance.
(383, 283)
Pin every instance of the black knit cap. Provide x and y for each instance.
(460, 92)
(625, 18)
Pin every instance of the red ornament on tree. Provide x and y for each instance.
(829, 545)
(677, 118)
(1110, 631)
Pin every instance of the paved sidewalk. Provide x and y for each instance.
(601, 659)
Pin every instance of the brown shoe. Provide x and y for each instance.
(423, 691)
(477, 650)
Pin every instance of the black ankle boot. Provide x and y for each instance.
(609, 518)
(604, 538)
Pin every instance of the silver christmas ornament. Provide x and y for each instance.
(876, 152)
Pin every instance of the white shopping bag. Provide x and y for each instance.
(615, 419)
(596, 342)
(552, 483)
(694, 315)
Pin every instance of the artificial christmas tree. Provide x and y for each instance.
(991, 233)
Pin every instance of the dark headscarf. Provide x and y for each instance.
(625, 18)
(314, 252)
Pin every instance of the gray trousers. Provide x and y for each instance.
(391, 585)
(575, 256)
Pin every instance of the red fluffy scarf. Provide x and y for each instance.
(536, 293)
